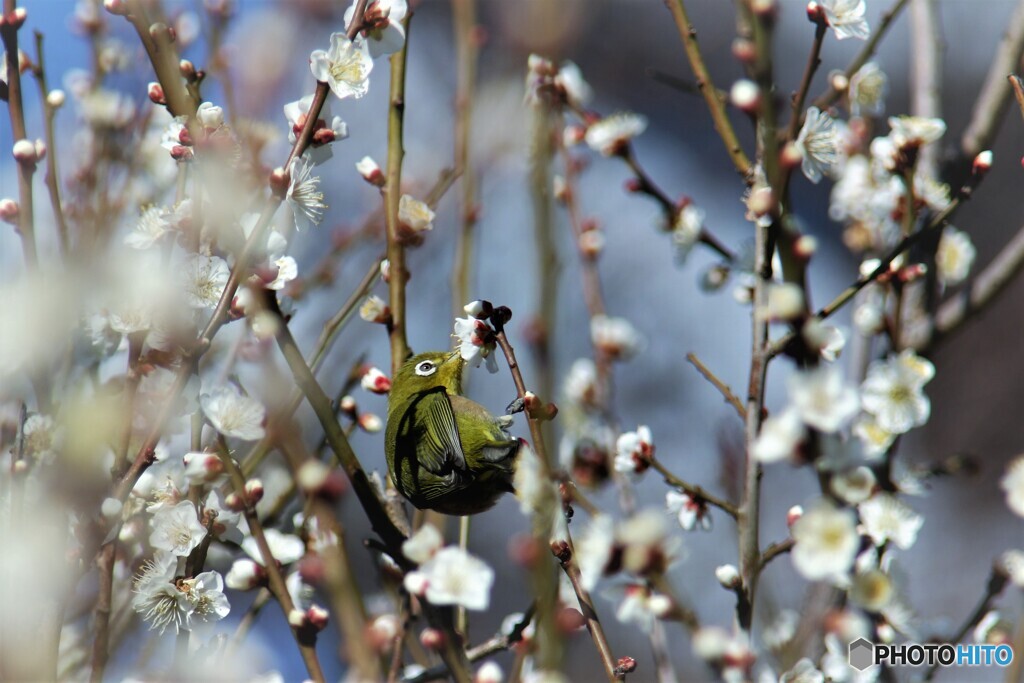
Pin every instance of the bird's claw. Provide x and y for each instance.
(516, 406)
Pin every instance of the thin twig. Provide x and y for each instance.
(813, 62)
(52, 184)
(997, 581)
(391, 193)
(722, 387)
(692, 490)
(776, 549)
(707, 87)
(829, 97)
(926, 74)
(604, 651)
(15, 107)
(990, 106)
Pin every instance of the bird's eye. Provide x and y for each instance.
(425, 368)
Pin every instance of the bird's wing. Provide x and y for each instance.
(438, 448)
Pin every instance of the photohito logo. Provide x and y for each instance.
(864, 654)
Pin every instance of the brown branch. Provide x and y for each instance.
(304, 638)
(926, 74)
(692, 490)
(994, 97)
(829, 97)
(466, 49)
(982, 291)
(996, 583)
(16, 109)
(1018, 91)
(707, 87)
(776, 549)
(604, 651)
(52, 185)
(722, 387)
(392, 192)
(800, 98)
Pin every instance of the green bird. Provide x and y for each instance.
(444, 451)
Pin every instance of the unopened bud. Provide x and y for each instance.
(745, 95)
(370, 171)
(815, 12)
(794, 513)
(348, 405)
(374, 310)
(16, 18)
(763, 8)
(385, 271)
(728, 576)
(625, 665)
(297, 618)
(55, 98)
(254, 491)
(573, 135)
(187, 68)
(501, 315)
(317, 617)
(744, 50)
(570, 620)
(111, 508)
(156, 93)
(805, 246)
(840, 83)
(912, 272)
(432, 639)
(715, 277)
(311, 475)
(370, 423)
(376, 381)
(982, 162)
(40, 150)
(24, 152)
(791, 156)
(234, 502)
(279, 181)
(559, 189)
(561, 550)
(480, 309)
(489, 672)
(591, 243)
(633, 185)
(117, 7)
(9, 210)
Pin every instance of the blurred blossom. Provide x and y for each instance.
(893, 392)
(888, 519)
(384, 32)
(453, 577)
(233, 414)
(826, 542)
(822, 398)
(868, 89)
(954, 257)
(1013, 484)
(846, 18)
(611, 134)
(818, 143)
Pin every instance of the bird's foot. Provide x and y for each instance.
(505, 421)
(516, 406)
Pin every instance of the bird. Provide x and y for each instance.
(445, 452)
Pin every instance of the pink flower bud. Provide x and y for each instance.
(370, 171)
(24, 152)
(156, 93)
(9, 210)
(40, 150)
(254, 491)
(480, 309)
(234, 502)
(745, 95)
(16, 18)
(376, 381)
(489, 672)
(370, 423)
(982, 162)
(805, 246)
(279, 181)
(815, 12)
(187, 68)
(317, 617)
(839, 81)
(791, 156)
(794, 513)
(297, 618)
(348, 405)
(625, 665)
(432, 639)
(116, 7)
(743, 50)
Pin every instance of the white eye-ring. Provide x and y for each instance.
(425, 368)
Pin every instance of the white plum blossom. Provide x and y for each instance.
(888, 519)
(210, 115)
(233, 414)
(286, 548)
(615, 337)
(826, 542)
(689, 511)
(639, 605)
(476, 343)
(874, 440)
(867, 91)
(580, 383)
(244, 575)
(570, 79)
(414, 215)
(149, 229)
(345, 67)
(319, 150)
(633, 450)
(384, 32)
(423, 544)
(205, 594)
(822, 398)
(1012, 484)
(157, 600)
(914, 131)
(176, 529)
(803, 671)
(229, 525)
(846, 18)
(611, 134)
(374, 309)
(204, 279)
(594, 549)
(304, 196)
(893, 392)
(453, 577)
(818, 143)
(854, 485)
(687, 229)
(533, 488)
(954, 257)
(931, 191)
(780, 436)
(42, 438)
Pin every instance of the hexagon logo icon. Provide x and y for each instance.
(862, 654)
